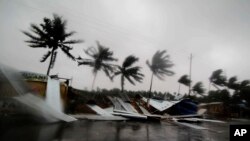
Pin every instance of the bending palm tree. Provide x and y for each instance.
(233, 84)
(51, 34)
(129, 72)
(245, 83)
(199, 88)
(185, 80)
(218, 78)
(160, 67)
(100, 58)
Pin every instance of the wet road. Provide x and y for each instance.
(112, 131)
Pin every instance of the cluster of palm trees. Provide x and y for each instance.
(198, 88)
(218, 79)
(51, 34)
(229, 91)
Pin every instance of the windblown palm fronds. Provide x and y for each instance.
(100, 60)
(51, 34)
(128, 71)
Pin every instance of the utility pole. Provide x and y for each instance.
(190, 72)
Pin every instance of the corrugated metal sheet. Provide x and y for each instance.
(160, 105)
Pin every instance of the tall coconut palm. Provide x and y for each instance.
(51, 34)
(198, 88)
(185, 80)
(100, 60)
(128, 71)
(160, 66)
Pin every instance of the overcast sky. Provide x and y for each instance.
(216, 32)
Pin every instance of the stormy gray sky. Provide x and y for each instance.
(216, 32)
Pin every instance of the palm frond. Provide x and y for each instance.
(232, 79)
(72, 41)
(129, 61)
(149, 65)
(45, 57)
(138, 77)
(47, 26)
(199, 88)
(108, 66)
(104, 53)
(185, 80)
(66, 35)
(108, 69)
(86, 62)
(79, 58)
(159, 76)
(245, 83)
(168, 72)
(115, 74)
(132, 70)
(129, 79)
(160, 64)
(92, 52)
(135, 73)
(218, 77)
(38, 31)
(36, 44)
(31, 36)
(65, 49)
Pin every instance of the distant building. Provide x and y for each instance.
(38, 82)
(214, 109)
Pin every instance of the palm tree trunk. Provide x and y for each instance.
(179, 88)
(122, 83)
(151, 83)
(189, 89)
(50, 62)
(209, 86)
(93, 83)
(149, 93)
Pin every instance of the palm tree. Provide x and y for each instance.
(199, 88)
(245, 90)
(233, 84)
(100, 60)
(245, 83)
(129, 72)
(51, 34)
(159, 66)
(185, 80)
(218, 78)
